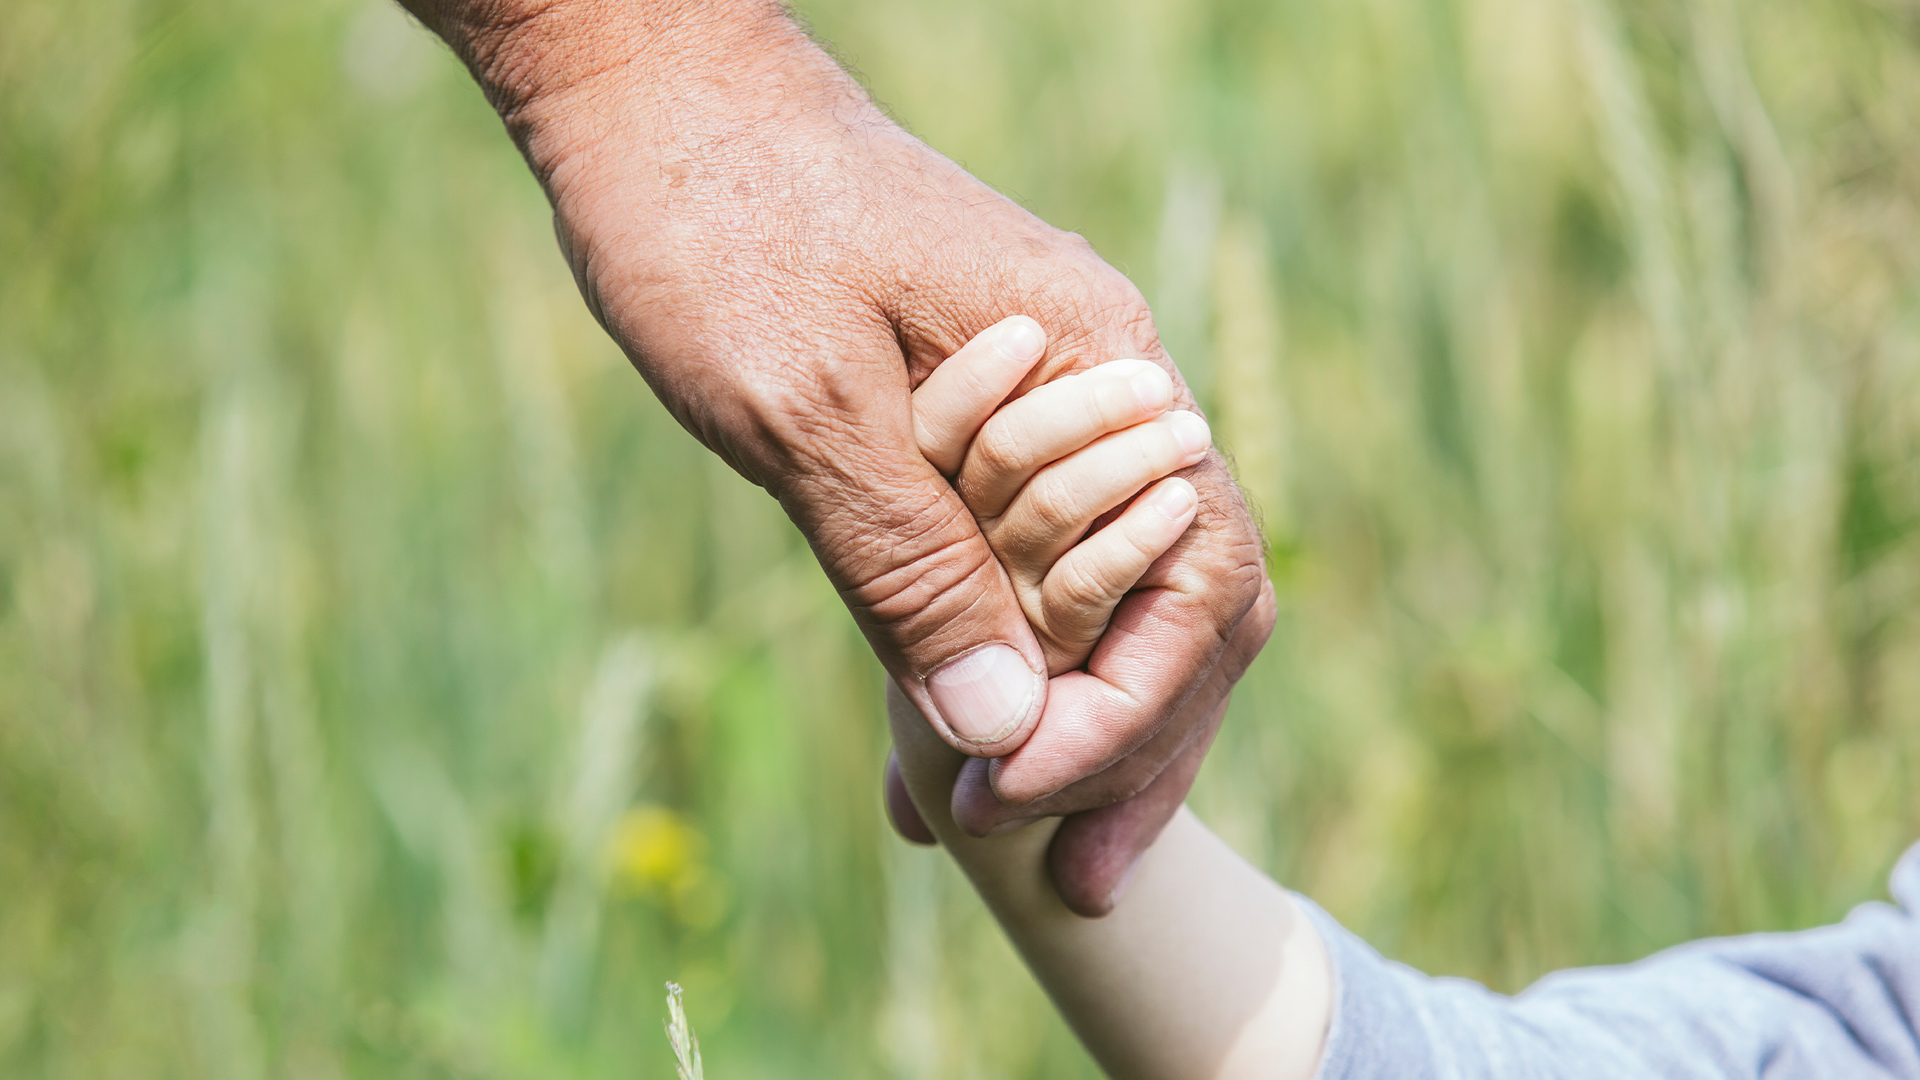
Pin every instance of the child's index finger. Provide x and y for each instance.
(950, 406)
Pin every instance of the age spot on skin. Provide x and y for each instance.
(677, 173)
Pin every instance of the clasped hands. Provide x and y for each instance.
(784, 265)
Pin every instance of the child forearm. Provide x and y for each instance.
(1205, 969)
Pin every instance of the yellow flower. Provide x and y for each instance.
(656, 851)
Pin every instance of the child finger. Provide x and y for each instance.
(950, 405)
(1080, 592)
(1063, 500)
(1051, 421)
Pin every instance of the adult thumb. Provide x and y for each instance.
(912, 566)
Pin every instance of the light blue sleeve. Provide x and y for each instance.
(1839, 1001)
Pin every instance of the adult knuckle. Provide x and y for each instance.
(1132, 312)
(1110, 306)
(1077, 243)
(1087, 306)
(1226, 537)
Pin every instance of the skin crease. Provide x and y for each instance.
(783, 264)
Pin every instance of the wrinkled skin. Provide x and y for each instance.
(783, 264)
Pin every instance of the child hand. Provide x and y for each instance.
(1040, 471)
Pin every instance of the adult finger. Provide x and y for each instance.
(978, 811)
(1161, 646)
(907, 557)
(1093, 855)
(1166, 638)
(1129, 774)
(901, 812)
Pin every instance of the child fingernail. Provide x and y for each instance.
(1191, 432)
(1175, 500)
(1022, 338)
(1153, 388)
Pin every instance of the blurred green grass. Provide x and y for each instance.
(389, 688)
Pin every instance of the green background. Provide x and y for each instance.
(388, 688)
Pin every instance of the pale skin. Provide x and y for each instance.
(783, 264)
(1206, 968)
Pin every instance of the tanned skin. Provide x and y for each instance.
(783, 264)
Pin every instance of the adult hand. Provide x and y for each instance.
(783, 263)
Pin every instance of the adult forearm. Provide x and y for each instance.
(692, 76)
(708, 165)
(525, 51)
(782, 264)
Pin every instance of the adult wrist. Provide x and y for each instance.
(567, 74)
